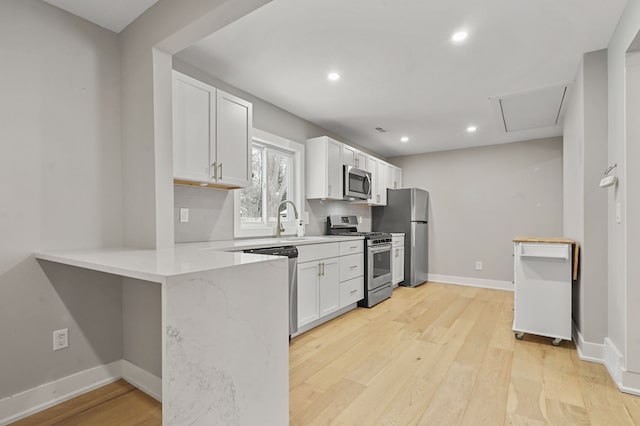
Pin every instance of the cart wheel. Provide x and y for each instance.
(556, 342)
(519, 335)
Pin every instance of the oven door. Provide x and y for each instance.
(357, 183)
(379, 266)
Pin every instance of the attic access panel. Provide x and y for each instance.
(533, 109)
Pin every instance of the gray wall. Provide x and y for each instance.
(585, 203)
(60, 180)
(481, 198)
(211, 210)
(620, 317)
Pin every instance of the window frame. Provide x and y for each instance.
(278, 143)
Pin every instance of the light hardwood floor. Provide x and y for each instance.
(445, 355)
(434, 355)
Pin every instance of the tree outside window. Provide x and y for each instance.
(271, 183)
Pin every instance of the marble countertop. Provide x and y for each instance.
(397, 234)
(157, 265)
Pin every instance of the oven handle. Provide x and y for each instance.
(380, 248)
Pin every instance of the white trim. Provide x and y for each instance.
(613, 361)
(587, 351)
(142, 379)
(626, 381)
(471, 282)
(31, 401)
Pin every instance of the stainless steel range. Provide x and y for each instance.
(377, 258)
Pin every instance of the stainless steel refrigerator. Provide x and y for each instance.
(407, 211)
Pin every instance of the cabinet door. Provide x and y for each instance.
(349, 155)
(193, 128)
(334, 170)
(397, 272)
(397, 178)
(372, 167)
(233, 140)
(400, 274)
(361, 160)
(308, 293)
(329, 287)
(383, 181)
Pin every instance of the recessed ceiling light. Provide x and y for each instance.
(459, 36)
(333, 76)
(471, 129)
(404, 139)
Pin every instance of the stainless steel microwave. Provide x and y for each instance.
(357, 184)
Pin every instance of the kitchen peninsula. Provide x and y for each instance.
(224, 324)
(224, 329)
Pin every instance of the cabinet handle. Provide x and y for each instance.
(220, 167)
(354, 247)
(215, 170)
(353, 291)
(323, 269)
(353, 267)
(319, 269)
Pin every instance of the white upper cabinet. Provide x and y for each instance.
(194, 120)
(397, 177)
(233, 140)
(372, 167)
(325, 158)
(354, 158)
(211, 134)
(324, 172)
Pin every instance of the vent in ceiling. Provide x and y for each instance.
(534, 109)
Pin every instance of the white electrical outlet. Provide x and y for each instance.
(184, 215)
(60, 339)
(618, 213)
(305, 220)
(478, 265)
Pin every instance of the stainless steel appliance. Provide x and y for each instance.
(292, 253)
(357, 184)
(407, 211)
(377, 258)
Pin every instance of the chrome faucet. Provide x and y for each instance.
(279, 226)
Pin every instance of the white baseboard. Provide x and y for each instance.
(142, 379)
(613, 361)
(31, 401)
(26, 403)
(587, 351)
(471, 282)
(626, 381)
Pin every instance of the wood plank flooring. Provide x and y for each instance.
(434, 355)
(445, 355)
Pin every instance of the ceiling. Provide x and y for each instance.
(399, 68)
(113, 15)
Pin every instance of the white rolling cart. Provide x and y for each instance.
(544, 270)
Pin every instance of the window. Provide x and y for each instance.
(276, 176)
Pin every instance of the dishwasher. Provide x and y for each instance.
(291, 253)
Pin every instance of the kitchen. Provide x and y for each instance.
(109, 154)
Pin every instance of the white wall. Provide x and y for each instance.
(585, 203)
(481, 198)
(61, 188)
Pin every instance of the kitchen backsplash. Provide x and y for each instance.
(211, 214)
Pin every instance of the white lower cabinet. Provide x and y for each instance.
(308, 306)
(328, 287)
(327, 281)
(397, 257)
